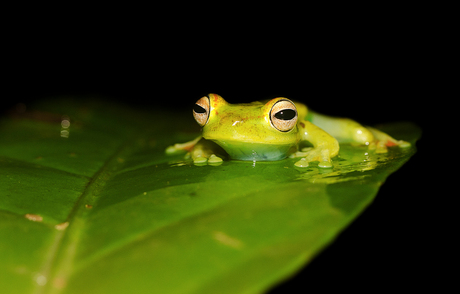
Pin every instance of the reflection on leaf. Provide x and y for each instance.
(352, 163)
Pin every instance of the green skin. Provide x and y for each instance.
(248, 132)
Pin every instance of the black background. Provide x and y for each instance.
(374, 72)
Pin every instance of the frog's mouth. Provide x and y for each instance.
(255, 151)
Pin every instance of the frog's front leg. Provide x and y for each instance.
(199, 149)
(324, 146)
(207, 151)
(182, 147)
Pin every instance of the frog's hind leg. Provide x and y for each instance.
(346, 130)
(383, 140)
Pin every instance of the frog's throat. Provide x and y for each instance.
(256, 151)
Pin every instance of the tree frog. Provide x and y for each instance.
(274, 130)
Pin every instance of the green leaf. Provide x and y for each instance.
(95, 206)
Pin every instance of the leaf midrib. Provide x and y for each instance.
(57, 265)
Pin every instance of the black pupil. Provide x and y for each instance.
(198, 109)
(285, 114)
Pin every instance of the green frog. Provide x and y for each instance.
(273, 130)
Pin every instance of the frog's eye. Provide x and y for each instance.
(283, 115)
(201, 111)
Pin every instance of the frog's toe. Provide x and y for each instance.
(172, 150)
(381, 147)
(302, 163)
(325, 164)
(403, 144)
(200, 160)
(214, 160)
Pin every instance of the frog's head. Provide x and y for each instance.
(262, 131)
